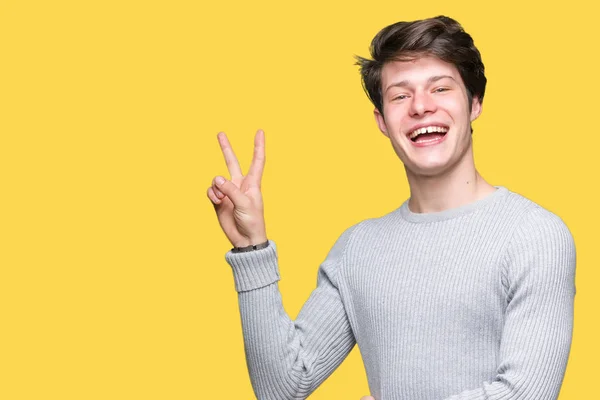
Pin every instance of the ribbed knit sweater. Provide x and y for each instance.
(474, 302)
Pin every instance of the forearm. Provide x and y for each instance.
(289, 359)
(543, 383)
(540, 380)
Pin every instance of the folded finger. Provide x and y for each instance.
(217, 192)
(230, 190)
(212, 196)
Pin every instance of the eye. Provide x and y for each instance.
(400, 97)
(441, 89)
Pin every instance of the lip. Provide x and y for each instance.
(428, 143)
(419, 126)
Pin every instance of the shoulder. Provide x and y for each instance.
(525, 220)
(538, 224)
(366, 230)
(353, 242)
(347, 238)
(540, 241)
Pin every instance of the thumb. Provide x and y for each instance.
(230, 190)
(367, 398)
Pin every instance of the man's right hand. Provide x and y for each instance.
(238, 202)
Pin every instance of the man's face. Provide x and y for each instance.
(427, 94)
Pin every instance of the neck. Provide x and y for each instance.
(460, 185)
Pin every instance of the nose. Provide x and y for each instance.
(422, 104)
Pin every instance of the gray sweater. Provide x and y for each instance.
(474, 302)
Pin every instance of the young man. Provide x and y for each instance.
(465, 291)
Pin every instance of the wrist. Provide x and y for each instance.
(250, 241)
(255, 246)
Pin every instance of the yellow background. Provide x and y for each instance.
(113, 280)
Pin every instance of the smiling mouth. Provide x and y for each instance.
(428, 134)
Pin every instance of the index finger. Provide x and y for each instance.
(230, 159)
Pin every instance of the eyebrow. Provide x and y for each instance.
(407, 82)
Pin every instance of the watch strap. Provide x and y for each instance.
(252, 247)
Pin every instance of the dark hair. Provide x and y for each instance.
(440, 36)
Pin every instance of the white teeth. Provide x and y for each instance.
(427, 129)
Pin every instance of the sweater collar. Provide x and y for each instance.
(408, 215)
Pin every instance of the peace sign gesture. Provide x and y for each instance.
(238, 202)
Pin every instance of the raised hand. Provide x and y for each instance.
(238, 202)
(367, 398)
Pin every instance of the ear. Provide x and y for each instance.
(475, 108)
(380, 122)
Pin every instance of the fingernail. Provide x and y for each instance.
(220, 180)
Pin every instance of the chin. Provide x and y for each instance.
(430, 169)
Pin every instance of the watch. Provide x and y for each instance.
(252, 247)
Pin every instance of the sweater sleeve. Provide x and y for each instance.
(539, 284)
(289, 359)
